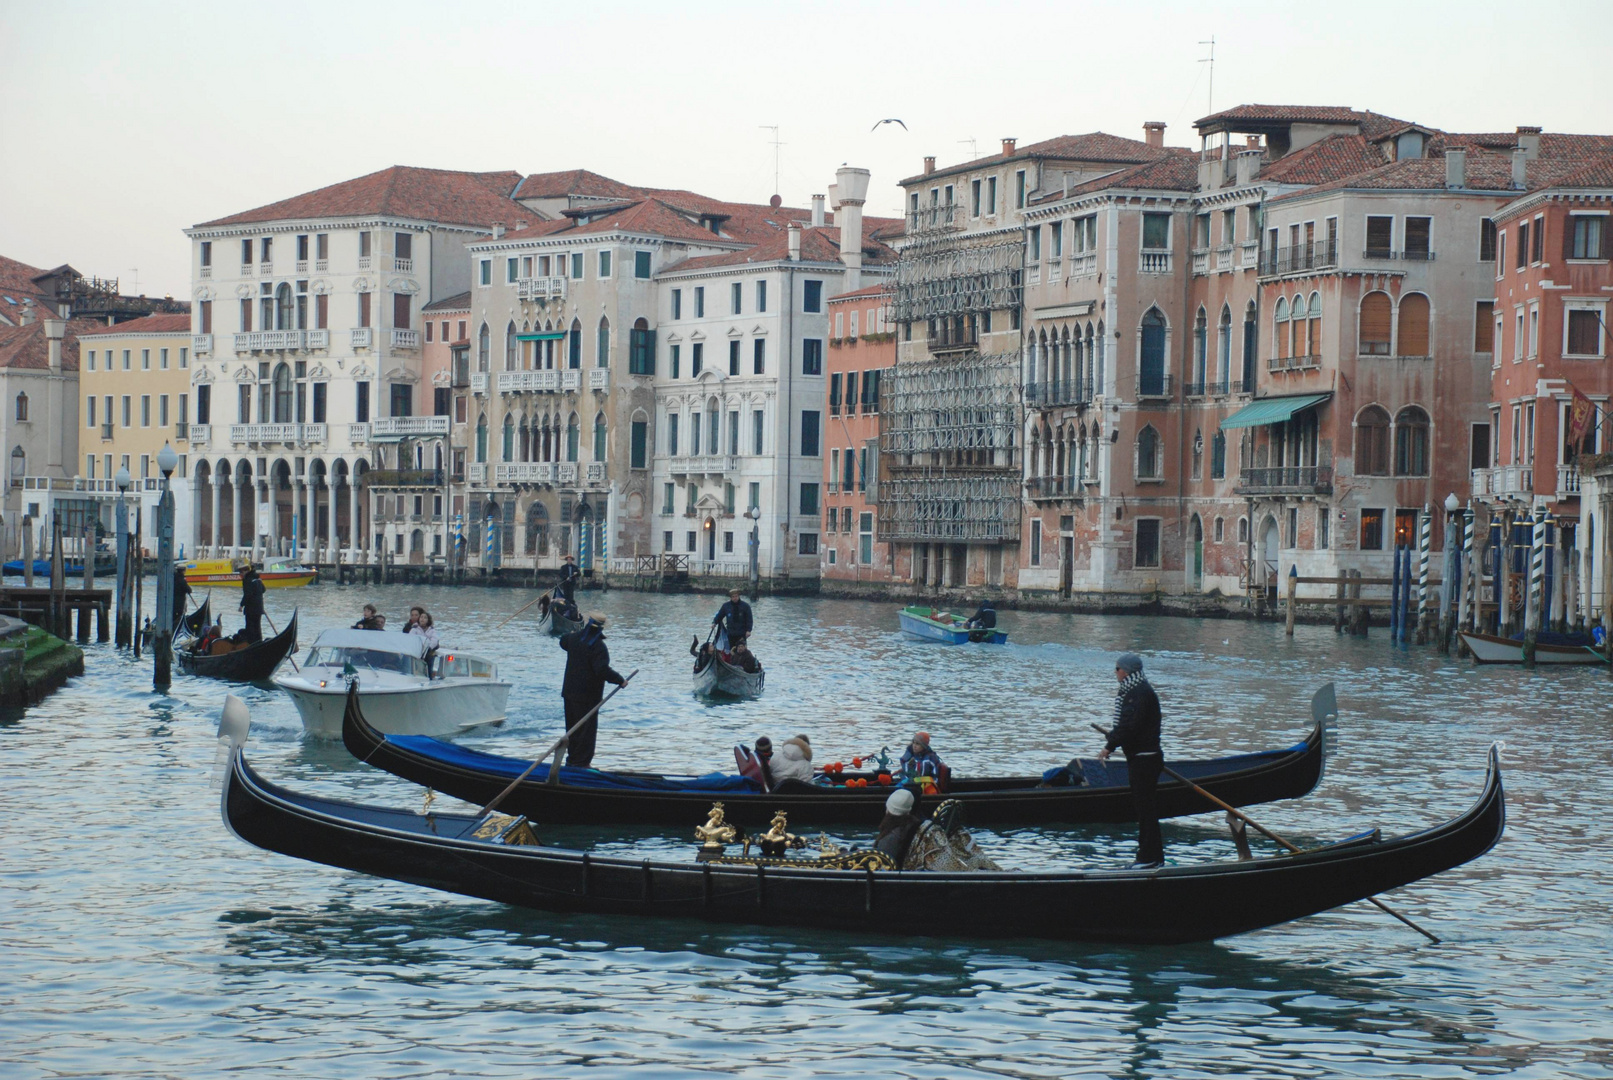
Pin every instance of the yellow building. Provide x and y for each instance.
(134, 395)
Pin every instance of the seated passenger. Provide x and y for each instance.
(370, 621)
(985, 618)
(919, 760)
(793, 761)
(744, 659)
(897, 827)
(424, 627)
(210, 633)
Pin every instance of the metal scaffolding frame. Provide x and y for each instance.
(932, 505)
(941, 275)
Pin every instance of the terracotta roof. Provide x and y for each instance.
(1324, 160)
(1485, 171)
(439, 195)
(27, 347)
(1096, 146)
(17, 282)
(148, 324)
(1553, 144)
(555, 185)
(857, 294)
(1598, 174)
(649, 216)
(460, 302)
(820, 244)
(1373, 125)
(1178, 171)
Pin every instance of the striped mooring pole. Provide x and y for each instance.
(1424, 541)
(1470, 571)
(1537, 580)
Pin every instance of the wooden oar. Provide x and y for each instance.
(523, 607)
(554, 770)
(1262, 830)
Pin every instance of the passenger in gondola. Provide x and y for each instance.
(1136, 733)
(742, 658)
(764, 758)
(733, 621)
(702, 653)
(898, 826)
(587, 671)
(370, 620)
(181, 595)
(203, 644)
(919, 760)
(251, 604)
(793, 760)
(983, 619)
(569, 573)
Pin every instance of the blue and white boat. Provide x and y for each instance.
(947, 628)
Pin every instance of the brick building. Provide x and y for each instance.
(862, 346)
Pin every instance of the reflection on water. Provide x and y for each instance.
(143, 939)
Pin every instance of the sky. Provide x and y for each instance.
(125, 123)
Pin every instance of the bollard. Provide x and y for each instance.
(27, 552)
(1293, 584)
(1394, 598)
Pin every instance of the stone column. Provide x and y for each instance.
(313, 518)
(353, 533)
(212, 539)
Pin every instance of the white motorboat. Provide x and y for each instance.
(404, 691)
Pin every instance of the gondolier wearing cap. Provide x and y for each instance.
(587, 671)
(1136, 733)
(252, 603)
(569, 573)
(734, 621)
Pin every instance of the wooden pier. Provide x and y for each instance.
(55, 611)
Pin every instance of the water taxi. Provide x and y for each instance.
(276, 573)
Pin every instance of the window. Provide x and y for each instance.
(1584, 332)
(1486, 240)
(1323, 528)
(809, 432)
(162, 411)
(1371, 530)
(512, 270)
(1479, 447)
(1380, 237)
(807, 543)
(1417, 238)
(641, 349)
(1584, 236)
(674, 358)
(485, 273)
(1218, 456)
(809, 500)
(1523, 244)
(1147, 556)
(1055, 240)
(677, 303)
(1413, 325)
(761, 296)
(599, 436)
(1034, 251)
(1019, 190)
(204, 404)
(696, 359)
(733, 356)
(125, 359)
(1036, 541)
(1500, 253)
(812, 356)
(1156, 232)
(1149, 458)
(1376, 315)
(1537, 247)
(672, 434)
(401, 304)
(1220, 531)
(574, 344)
(1372, 442)
(602, 350)
(756, 432)
(700, 302)
(128, 412)
(759, 356)
(736, 298)
(1484, 326)
(991, 195)
(811, 295)
(430, 329)
(1534, 330)
(145, 408)
(89, 411)
(1411, 442)
(604, 264)
(576, 266)
(22, 407)
(974, 198)
(361, 410)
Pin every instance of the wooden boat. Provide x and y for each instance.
(720, 679)
(249, 663)
(191, 626)
(591, 796)
(106, 562)
(1489, 649)
(932, 624)
(556, 624)
(1169, 905)
(276, 573)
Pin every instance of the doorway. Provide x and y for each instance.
(1197, 582)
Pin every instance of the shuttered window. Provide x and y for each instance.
(1584, 333)
(1484, 326)
(1375, 321)
(1413, 325)
(1417, 232)
(1537, 252)
(1372, 442)
(1583, 237)
(1411, 442)
(1523, 243)
(1380, 237)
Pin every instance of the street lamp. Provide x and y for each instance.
(753, 514)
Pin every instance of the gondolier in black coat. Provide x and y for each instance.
(1136, 732)
(569, 573)
(587, 671)
(252, 604)
(734, 620)
(181, 594)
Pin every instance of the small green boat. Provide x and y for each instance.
(932, 624)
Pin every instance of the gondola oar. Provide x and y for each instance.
(554, 770)
(1262, 830)
(289, 656)
(523, 607)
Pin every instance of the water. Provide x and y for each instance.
(140, 939)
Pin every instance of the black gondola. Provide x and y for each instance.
(588, 796)
(553, 623)
(197, 621)
(1165, 906)
(254, 663)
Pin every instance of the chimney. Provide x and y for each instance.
(1008, 146)
(817, 211)
(929, 164)
(1247, 164)
(1154, 133)
(852, 187)
(498, 230)
(1066, 185)
(1529, 139)
(834, 199)
(1520, 168)
(27, 316)
(1251, 142)
(1456, 167)
(795, 241)
(55, 329)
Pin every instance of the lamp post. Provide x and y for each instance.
(123, 635)
(167, 460)
(754, 516)
(1450, 571)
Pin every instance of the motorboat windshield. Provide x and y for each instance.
(366, 659)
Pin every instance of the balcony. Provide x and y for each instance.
(1154, 385)
(1223, 259)
(1417, 255)
(200, 435)
(459, 376)
(943, 217)
(1155, 262)
(478, 382)
(952, 339)
(364, 262)
(312, 433)
(565, 472)
(362, 337)
(1084, 265)
(1193, 389)
(540, 288)
(1299, 258)
(527, 382)
(207, 271)
(1248, 254)
(263, 433)
(266, 269)
(181, 431)
(416, 478)
(246, 269)
(1295, 363)
(405, 339)
(1201, 261)
(1568, 481)
(403, 266)
(106, 430)
(1047, 395)
(318, 339)
(321, 266)
(478, 473)
(599, 379)
(358, 434)
(1286, 480)
(302, 266)
(201, 344)
(1218, 388)
(407, 427)
(571, 380)
(271, 341)
(594, 473)
(1054, 487)
(524, 472)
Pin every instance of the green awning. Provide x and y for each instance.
(555, 336)
(1272, 410)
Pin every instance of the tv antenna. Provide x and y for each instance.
(135, 270)
(1209, 100)
(776, 144)
(973, 152)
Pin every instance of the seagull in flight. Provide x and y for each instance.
(892, 120)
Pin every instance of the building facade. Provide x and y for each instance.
(862, 347)
(39, 418)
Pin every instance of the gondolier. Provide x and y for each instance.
(587, 671)
(252, 603)
(181, 595)
(569, 573)
(733, 620)
(1136, 733)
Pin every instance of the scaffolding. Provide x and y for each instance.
(934, 505)
(941, 275)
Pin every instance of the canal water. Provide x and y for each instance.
(138, 938)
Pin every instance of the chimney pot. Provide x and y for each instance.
(498, 230)
(1251, 142)
(1008, 146)
(795, 241)
(851, 186)
(929, 164)
(1520, 168)
(1529, 139)
(1455, 167)
(55, 330)
(1154, 133)
(817, 211)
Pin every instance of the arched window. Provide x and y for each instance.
(1030, 360)
(571, 438)
(22, 406)
(1151, 358)
(481, 440)
(537, 529)
(511, 361)
(282, 394)
(1149, 458)
(1100, 374)
(1251, 346)
(599, 436)
(1299, 345)
(1223, 350)
(284, 317)
(1243, 530)
(1201, 349)
(1279, 329)
(509, 438)
(1372, 442)
(484, 347)
(1413, 325)
(1090, 375)
(1375, 317)
(1067, 367)
(1411, 442)
(1316, 324)
(602, 354)
(574, 345)
(19, 463)
(1218, 456)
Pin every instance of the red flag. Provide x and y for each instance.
(1581, 412)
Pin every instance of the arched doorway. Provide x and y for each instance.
(1196, 582)
(1268, 559)
(711, 539)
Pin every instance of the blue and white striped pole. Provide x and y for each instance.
(1424, 542)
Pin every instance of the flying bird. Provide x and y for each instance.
(892, 120)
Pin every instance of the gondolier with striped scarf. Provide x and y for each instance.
(1136, 733)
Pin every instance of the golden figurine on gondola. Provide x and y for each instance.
(716, 832)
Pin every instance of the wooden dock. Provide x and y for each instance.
(55, 611)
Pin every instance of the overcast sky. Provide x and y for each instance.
(124, 123)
